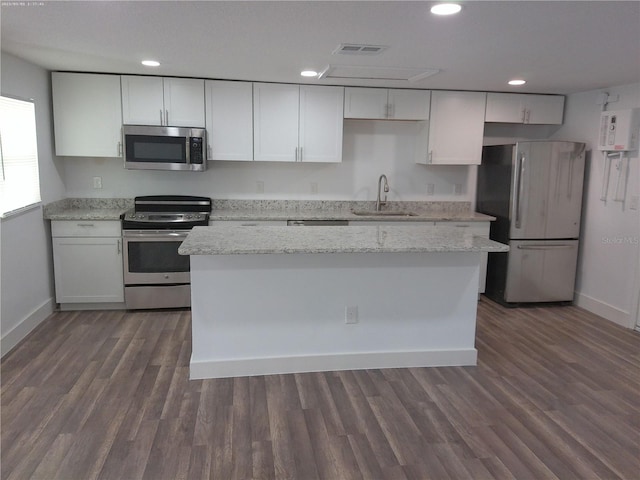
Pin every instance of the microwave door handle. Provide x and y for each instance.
(187, 150)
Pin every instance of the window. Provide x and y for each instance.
(19, 177)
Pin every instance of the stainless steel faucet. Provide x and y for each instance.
(380, 203)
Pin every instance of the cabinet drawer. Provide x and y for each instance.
(86, 228)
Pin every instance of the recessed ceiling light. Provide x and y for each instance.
(445, 9)
(150, 63)
(309, 73)
(517, 82)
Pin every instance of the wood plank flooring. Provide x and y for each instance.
(106, 395)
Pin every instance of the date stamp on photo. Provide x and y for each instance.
(21, 4)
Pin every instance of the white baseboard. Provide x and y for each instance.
(11, 338)
(604, 310)
(324, 363)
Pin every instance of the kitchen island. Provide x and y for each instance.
(275, 299)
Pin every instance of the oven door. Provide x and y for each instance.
(151, 257)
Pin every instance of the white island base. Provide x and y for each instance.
(256, 314)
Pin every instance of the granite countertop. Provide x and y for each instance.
(235, 239)
(87, 209)
(279, 210)
(283, 210)
(314, 214)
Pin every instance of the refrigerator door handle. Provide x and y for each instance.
(520, 171)
(544, 247)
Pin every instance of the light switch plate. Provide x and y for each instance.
(97, 182)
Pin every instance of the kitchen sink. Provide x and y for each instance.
(370, 213)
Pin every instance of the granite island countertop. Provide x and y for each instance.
(236, 239)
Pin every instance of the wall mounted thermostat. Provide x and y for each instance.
(619, 130)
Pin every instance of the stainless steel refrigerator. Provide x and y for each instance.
(534, 189)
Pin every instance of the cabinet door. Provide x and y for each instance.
(184, 102)
(456, 127)
(365, 103)
(409, 104)
(88, 270)
(505, 108)
(275, 122)
(87, 115)
(229, 115)
(545, 109)
(142, 100)
(529, 109)
(321, 118)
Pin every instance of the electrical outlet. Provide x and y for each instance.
(431, 188)
(314, 188)
(97, 182)
(457, 189)
(351, 314)
(259, 186)
(635, 200)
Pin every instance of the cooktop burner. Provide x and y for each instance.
(177, 212)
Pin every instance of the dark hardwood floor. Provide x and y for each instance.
(106, 395)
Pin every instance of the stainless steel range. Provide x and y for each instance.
(155, 276)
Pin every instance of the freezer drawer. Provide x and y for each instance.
(541, 270)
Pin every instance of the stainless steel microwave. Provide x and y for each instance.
(164, 148)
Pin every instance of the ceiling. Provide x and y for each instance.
(559, 47)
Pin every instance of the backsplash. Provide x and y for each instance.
(370, 148)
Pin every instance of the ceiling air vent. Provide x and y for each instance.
(356, 49)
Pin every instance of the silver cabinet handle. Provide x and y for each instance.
(523, 114)
(86, 225)
(528, 114)
(462, 226)
(430, 156)
(519, 181)
(119, 248)
(301, 154)
(166, 116)
(544, 247)
(296, 154)
(119, 149)
(161, 119)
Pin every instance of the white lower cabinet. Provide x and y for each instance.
(87, 261)
(250, 223)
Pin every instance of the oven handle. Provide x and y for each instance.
(168, 234)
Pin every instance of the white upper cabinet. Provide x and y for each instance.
(386, 104)
(177, 102)
(293, 123)
(522, 108)
(456, 128)
(368, 103)
(409, 104)
(275, 122)
(320, 129)
(229, 114)
(87, 115)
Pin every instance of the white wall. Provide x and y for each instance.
(609, 264)
(26, 270)
(370, 149)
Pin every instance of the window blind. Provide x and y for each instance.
(19, 176)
